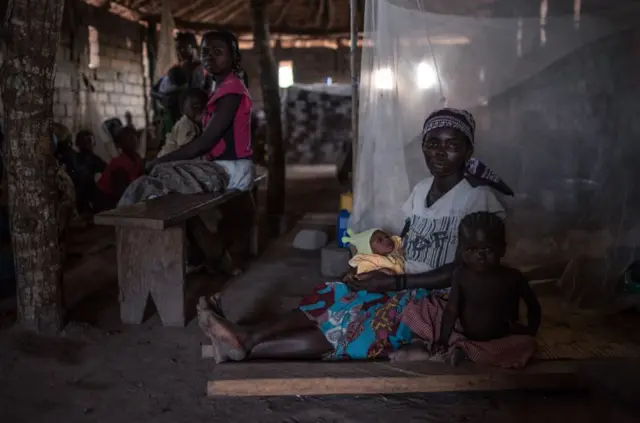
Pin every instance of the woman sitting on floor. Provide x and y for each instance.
(363, 319)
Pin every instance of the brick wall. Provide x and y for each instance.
(119, 74)
(120, 80)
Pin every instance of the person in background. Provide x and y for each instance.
(187, 52)
(88, 166)
(169, 92)
(121, 170)
(194, 102)
(63, 150)
(64, 183)
(128, 119)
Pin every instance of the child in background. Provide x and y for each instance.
(484, 299)
(88, 166)
(376, 251)
(121, 170)
(194, 101)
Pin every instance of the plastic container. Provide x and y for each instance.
(346, 205)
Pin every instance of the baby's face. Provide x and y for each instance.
(381, 243)
(480, 252)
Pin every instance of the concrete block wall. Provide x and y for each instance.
(119, 75)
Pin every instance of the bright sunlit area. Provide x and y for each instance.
(426, 76)
(285, 73)
(383, 78)
(94, 48)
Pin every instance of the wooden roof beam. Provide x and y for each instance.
(190, 8)
(212, 14)
(320, 12)
(247, 29)
(233, 14)
(283, 12)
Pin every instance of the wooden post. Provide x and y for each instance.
(27, 74)
(151, 40)
(271, 99)
(354, 90)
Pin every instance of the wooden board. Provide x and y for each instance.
(163, 212)
(383, 378)
(151, 263)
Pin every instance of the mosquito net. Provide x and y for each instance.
(554, 89)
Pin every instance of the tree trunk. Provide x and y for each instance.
(271, 99)
(28, 69)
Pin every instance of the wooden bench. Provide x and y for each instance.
(151, 250)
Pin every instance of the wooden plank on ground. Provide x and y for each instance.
(360, 378)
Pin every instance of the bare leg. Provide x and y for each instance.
(308, 344)
(292, 335)
(292, 321)
(213, 247)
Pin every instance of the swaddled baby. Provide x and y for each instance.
(376, 250)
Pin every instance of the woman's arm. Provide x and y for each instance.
(226, 109)
(435, 279)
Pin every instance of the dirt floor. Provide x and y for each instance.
(102, 371)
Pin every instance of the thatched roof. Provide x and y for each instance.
(296, 17)
(329, 18)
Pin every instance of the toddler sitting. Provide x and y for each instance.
(376, 251)
(194, 102)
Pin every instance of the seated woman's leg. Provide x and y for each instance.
(213, 247)
(292, 335)
(309, 344)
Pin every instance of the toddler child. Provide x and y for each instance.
(188, 127)
(480, 319)
(121, 170)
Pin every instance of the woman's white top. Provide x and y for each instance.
(432, 238)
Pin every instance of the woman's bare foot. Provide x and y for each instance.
(226, 343)
(410, 353)
(216, 304)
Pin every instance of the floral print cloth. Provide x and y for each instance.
(360, 325)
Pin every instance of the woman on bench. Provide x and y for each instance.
(217, 160)
(362, 319)
(226, 138)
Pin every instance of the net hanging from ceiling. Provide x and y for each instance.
(554, 89)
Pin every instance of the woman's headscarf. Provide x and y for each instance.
(476, 172)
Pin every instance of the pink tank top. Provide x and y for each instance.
(236, 141)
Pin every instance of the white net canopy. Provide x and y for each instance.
(554, 88)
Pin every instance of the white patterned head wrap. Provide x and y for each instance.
(475, 171)
(451, 118)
